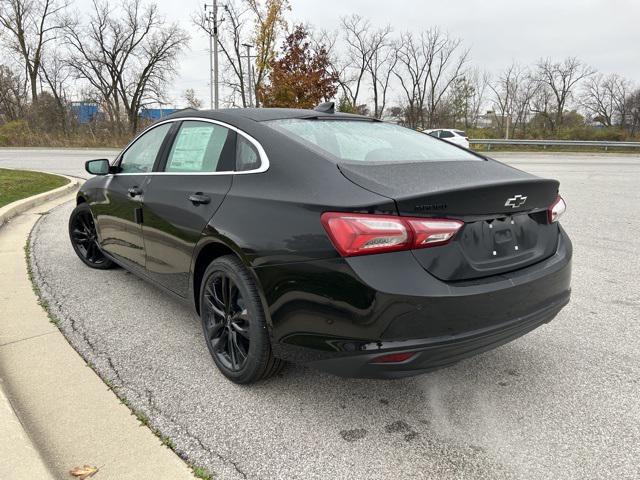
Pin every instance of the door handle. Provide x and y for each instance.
(134, 191)
(199, 198)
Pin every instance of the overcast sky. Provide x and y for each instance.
(603, 33)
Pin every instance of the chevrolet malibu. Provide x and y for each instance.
(348, 244)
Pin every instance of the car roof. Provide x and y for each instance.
(261, 114)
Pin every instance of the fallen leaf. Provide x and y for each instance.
(83, 472)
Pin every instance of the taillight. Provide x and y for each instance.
(362, 234)
(556, 209)
(429, 233)
(356, 234)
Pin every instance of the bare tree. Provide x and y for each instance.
(56, 76)
(446, 60)
(368, 62)
(411, 76)
(13, 94)
(511, 98)
(327, 40)
(633, 112)
(382, 62)
(429, 65)
(31, 25)
(96, 58)
(523, 104)
(192, 100)
(604, 98)
(127, 58)
(558, 81)
(479, 81)
(466, 98)
(356, 34)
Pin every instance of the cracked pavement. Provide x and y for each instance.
(561, 402)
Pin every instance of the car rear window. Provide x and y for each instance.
(460, 132)
(368, 141)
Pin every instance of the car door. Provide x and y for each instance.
(193, 177)
(119, 217)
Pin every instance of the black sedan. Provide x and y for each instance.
(342, 242)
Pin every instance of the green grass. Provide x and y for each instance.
(18, 184)
(202, 473)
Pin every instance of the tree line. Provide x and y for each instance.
(439, 87)
(124, 57)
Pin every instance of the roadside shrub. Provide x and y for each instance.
(482, 133)
(593, 134)
(14, 133)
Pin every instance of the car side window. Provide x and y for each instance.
(247, 157)
(446, 134)
(199, 147)
(435, 133)
(141, 155)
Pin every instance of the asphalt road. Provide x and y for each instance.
(64, 161)
(561, 402)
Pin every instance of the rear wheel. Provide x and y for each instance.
(234, 323)
(82, 232)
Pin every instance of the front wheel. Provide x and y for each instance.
(82, 232)
(234, 323)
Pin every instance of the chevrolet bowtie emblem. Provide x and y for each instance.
(515, 202)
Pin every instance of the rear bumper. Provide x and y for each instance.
(338, 315)
(434, 353)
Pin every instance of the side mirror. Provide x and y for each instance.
(98, 167)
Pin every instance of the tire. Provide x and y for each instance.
(82, 233)
(233, 322)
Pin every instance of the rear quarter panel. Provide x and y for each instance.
(274, 217)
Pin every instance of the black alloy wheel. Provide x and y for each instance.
(227, 324)
(82, 232)
(234, 324)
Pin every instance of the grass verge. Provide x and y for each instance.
(19, 184)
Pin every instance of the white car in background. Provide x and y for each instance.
(457, 137)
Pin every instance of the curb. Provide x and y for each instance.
(21, 458)
(20, 206)
(62, 412)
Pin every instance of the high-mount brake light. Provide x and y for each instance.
(363, 234)
(556, 209)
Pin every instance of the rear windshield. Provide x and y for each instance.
(366, 141)
(461, 133)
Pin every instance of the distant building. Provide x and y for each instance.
(156, 113)
(85, 112)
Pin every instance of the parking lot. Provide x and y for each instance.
(561, 402)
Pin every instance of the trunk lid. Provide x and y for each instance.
(504, 210)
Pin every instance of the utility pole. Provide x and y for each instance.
(210, 70)
(506, 136)
(250, 88)
(212, 18)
